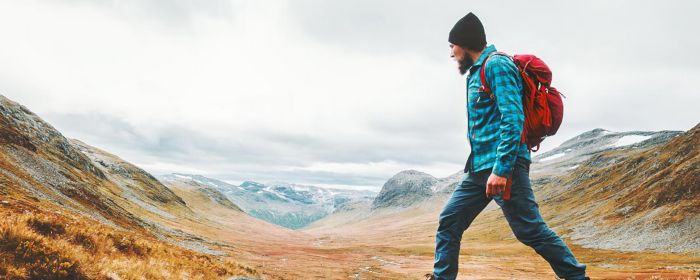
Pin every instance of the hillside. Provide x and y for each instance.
(39, 163)
(638, 199)
(70, 211)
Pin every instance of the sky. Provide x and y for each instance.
(329, 93)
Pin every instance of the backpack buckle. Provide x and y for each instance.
(483, 88)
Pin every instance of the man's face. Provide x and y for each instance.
(459, 54)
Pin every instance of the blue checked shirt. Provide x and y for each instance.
(495, 124)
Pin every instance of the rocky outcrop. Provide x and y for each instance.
(404, 189)
(22, 128)
(40, 164)
(134, 180)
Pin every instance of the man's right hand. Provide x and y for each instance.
(495, 185)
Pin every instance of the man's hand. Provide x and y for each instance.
(495, 185)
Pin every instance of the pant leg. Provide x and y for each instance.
(523, 216)
(466, 202)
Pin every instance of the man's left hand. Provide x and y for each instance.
(495, 185)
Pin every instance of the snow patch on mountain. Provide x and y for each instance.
(555, 156)
(631, 139)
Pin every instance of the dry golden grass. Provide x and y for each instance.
(42, 245)
(404, 243)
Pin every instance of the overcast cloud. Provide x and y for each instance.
(328, 93)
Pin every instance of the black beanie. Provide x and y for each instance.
(468, 33)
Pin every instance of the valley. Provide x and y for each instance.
(627, 203)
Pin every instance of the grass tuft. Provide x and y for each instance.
(46, 227)
(84, 240)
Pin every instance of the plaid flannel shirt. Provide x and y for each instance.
(495, 124)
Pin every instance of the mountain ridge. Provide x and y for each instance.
(289, 205)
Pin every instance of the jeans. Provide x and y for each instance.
(521, 212)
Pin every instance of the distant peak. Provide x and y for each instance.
(404, 189)
(412, 172)
(183, 175)
(248, 183)
(278, 184)
(598, 131)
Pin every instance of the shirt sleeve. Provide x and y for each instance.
(505, 82)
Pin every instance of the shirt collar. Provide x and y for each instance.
(488, 50)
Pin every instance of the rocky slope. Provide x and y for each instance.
(137, 186)
(405, 188)
(38, 163)
(639, 197)
(579, 149)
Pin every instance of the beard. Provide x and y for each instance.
(464, 64)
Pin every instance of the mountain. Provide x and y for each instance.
(72, 211)
(289, 205)
(404, 189)
(579, 149)
(39, 163)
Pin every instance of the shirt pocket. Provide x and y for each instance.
(478, 100)
(482, 100)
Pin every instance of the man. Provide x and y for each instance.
(495, 123)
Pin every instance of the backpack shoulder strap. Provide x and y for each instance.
(482, 72)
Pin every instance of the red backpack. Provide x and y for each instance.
(542, 103)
